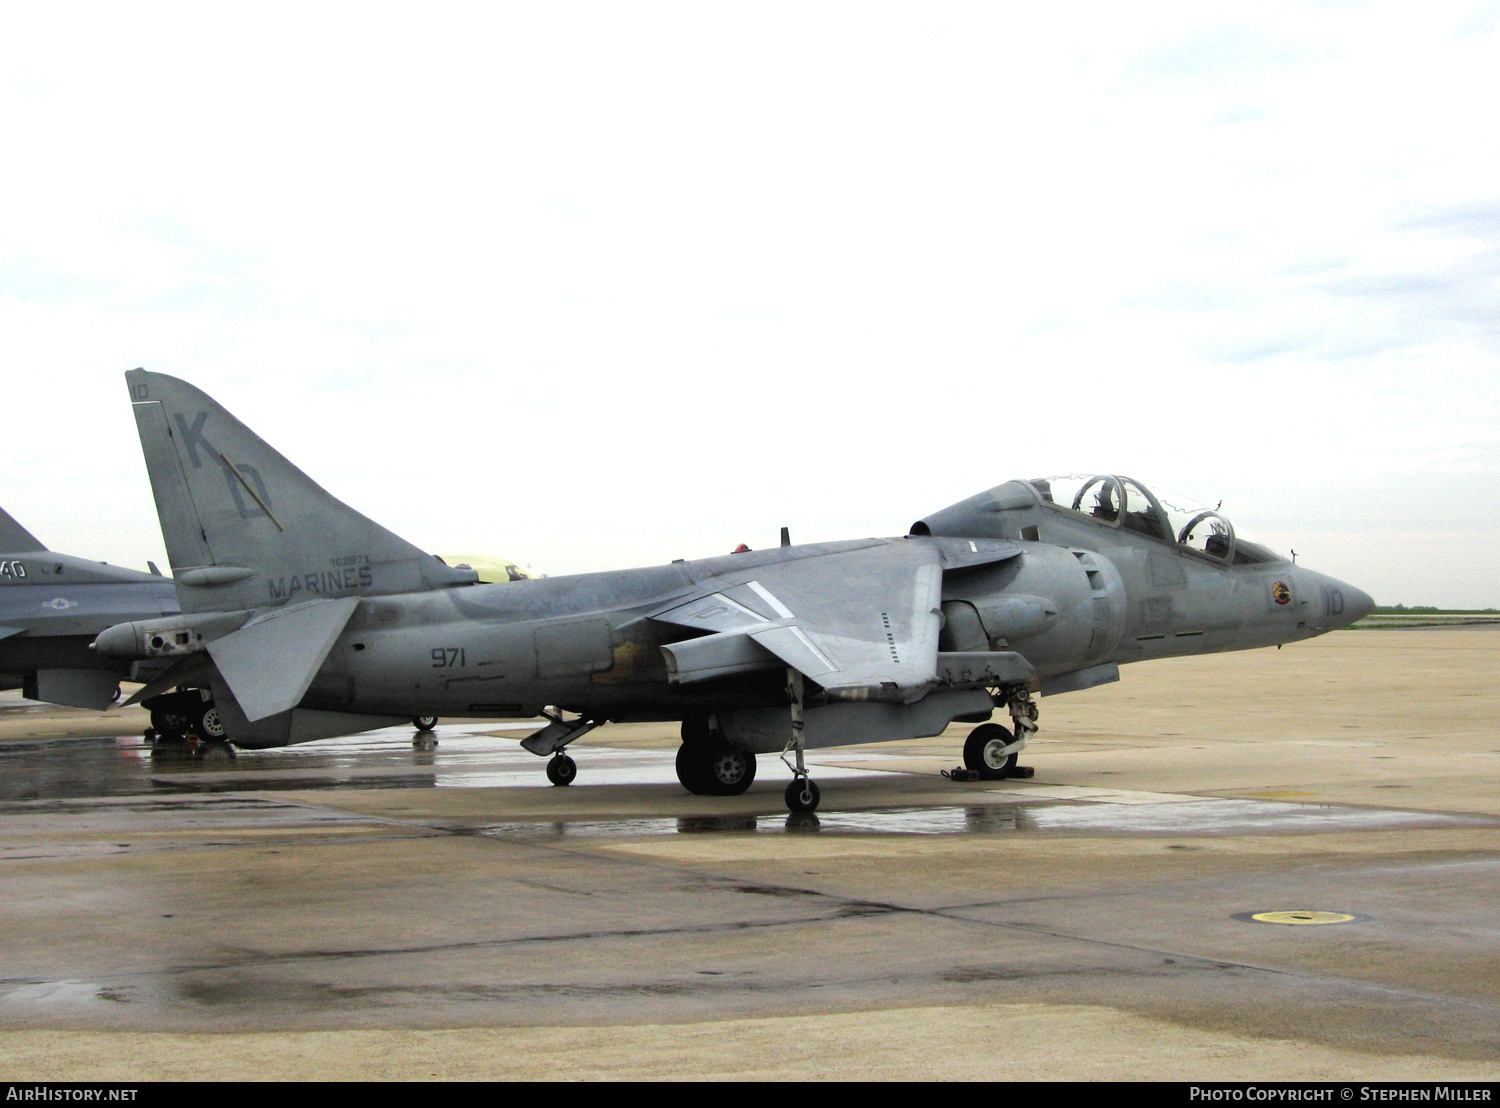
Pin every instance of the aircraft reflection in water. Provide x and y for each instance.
(305, 619)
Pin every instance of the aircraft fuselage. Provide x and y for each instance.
(582, 643)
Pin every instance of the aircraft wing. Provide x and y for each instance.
(862, 623)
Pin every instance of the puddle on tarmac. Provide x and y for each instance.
(467, 756)
(77, 768)
(1194, 817)
(473, 756)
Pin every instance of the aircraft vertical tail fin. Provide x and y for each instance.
(244, 527)
(15, 539)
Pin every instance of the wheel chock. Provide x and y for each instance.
(961, 773)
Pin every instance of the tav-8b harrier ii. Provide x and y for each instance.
(306, 619)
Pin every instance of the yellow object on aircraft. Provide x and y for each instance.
(492, 570)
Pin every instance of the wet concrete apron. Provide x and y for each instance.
(368, 882)
(1255, 857)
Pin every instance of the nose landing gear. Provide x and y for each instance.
(987, 751)
(991, 751)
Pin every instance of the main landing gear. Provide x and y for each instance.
(708, 764)
(187, 712)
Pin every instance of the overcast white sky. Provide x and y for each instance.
(597, 285)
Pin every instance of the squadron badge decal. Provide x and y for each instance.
(1281, 592)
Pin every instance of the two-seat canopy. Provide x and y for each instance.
(1124, 503)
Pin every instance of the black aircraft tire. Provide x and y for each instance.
(561, 770)
(730, 769)
(210, 724)
(424, 723)
(802, 795)
(692, 768)
(697, 729)
(169, 725)
(980, 751)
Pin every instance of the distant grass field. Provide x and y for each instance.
(1418, 610)
(1399, 615)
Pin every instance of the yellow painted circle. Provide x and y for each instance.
(1301, 917)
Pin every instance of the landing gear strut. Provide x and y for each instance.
(802, 795)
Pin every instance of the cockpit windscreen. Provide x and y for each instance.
(1125, 503)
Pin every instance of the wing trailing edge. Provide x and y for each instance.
(861, 623)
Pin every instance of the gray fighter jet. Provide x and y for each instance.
(305, 619)
(51, 607)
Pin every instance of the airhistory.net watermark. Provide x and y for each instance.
(51, 1092)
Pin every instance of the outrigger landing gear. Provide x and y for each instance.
(561, 770)
(802, 794)
(424, 739)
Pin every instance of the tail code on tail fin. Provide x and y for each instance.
(244, 527)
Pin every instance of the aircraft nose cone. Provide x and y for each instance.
(1357, 604)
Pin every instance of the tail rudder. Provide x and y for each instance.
(244, 527)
